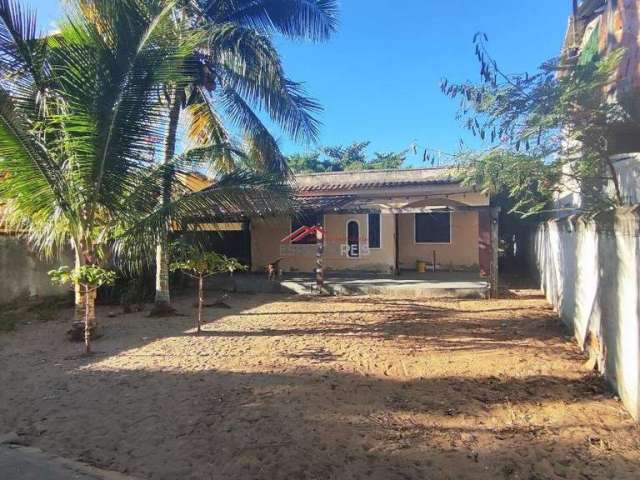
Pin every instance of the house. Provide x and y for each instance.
(596, 28)
(381, 221)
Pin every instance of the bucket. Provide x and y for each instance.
(421, 266)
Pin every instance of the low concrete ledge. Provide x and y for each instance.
(28, 463)
(429, 285)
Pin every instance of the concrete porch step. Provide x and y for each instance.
(426, 285)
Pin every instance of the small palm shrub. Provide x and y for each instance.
(197, 263)
(89, 278)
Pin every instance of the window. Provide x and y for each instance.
(433, 227)
(374, 230)
(306, 220)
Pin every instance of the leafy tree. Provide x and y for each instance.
(341, 158)
(386, 161)
(76, 116)
(525, 183)
(239, 72)
(306, 163)
(89, 278)
(200, 264)
(351, 157)
(79, 116)
(555, 129)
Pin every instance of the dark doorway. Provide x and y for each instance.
(232, 243)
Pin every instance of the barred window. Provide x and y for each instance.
(434, 227)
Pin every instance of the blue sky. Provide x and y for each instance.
(378, 78)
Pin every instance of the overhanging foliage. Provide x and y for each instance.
(552, 130)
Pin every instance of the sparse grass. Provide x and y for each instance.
(8, 321)
(40, 310)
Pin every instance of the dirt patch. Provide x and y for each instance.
(335, 388)
(32, 310)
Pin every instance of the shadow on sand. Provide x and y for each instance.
(324, 423)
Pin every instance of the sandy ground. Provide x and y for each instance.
(335, 388)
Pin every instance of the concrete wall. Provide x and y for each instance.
(461, 253)
(590, 271)
(23, 274)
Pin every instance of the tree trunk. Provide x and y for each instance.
(84, 321)
(495, 245)
(163, 298)
(89, 304)
(79, 312)
(200, 302)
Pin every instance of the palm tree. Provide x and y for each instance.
(240, 72)
(79, 116)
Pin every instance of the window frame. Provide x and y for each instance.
(379, 247)
(346, 228)
(415, 230)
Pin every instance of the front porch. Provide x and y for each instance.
(408, 284)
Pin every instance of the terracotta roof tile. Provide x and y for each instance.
(373, 179)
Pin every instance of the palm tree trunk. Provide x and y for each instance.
(80, 304)
(84, 324)
(79, 296)
(200, 303)
(89, 304)
(163, 298)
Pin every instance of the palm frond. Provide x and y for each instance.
(31, 177)
(17, 37)
(247, 61)
(214, 158)
(23, 67)
(262, 146)
(111, 69)
(148, 184)
(306, 19)
(237, 195)
(204, 125)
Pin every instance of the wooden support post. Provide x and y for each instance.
(396, 246)
(484, 242)
(249, 242)
(319, 258)
(200, 303)
(493, 271)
